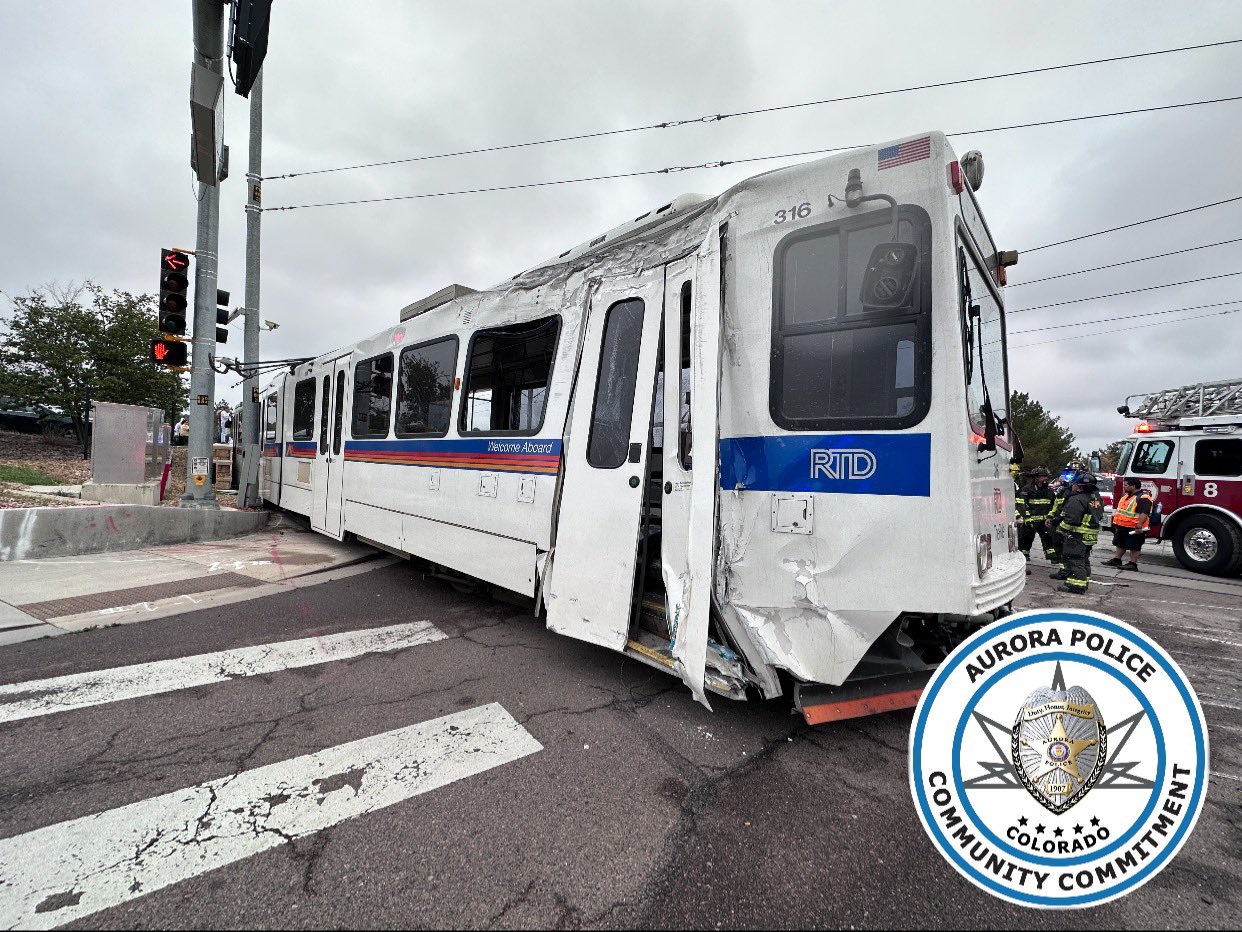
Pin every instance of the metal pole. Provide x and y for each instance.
(248, 488)
(208, 52)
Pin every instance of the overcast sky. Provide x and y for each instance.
(95, 126)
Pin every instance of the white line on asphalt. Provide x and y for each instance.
(56, 874)
(1204, 637)
(1224, 705)
(79, 690)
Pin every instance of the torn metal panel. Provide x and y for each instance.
(693, 614)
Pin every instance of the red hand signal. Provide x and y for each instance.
(160, 351)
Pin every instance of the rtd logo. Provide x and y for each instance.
(842, 464)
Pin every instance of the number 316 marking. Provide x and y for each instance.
(801, 212)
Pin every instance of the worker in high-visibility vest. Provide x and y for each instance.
(1131, 518)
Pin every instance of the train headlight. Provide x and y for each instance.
(983, 553)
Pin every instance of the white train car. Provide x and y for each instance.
(759, 440)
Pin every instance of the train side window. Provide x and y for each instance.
(304, 410)
(339, 417)
(1152, 457)
(1218, 457)
(323, 415)
(684, 433)
(609, 442)
(269, 419)
(425, 388)
(508, 371)
(372, 397)
(838, 362)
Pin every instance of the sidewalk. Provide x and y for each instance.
(42, 598)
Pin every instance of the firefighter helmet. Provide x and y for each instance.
(1040, 471)
(1086, 479)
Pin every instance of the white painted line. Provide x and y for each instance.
(1222, 705)
(1227, 776)
(79, 690)
(1204, 637)
(63, 872)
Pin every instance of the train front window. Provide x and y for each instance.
(838, 361)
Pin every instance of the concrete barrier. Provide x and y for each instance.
(35, 533)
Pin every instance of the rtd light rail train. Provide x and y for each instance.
(758, 440)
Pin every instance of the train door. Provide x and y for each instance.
(270, 471)
(327, 470)
(605, 461)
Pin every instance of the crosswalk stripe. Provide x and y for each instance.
(79, 690)
(60, 873)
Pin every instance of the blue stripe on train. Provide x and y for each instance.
(857, 464)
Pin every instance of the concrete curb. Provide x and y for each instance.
(36, 533)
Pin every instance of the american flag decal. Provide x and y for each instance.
(915, 150)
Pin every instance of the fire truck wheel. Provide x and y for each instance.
(1207, 544)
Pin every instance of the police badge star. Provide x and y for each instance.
(1059, 744)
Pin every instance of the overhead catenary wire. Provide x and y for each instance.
(1113, 265)
(1110, 320)
(718, 117)
(1118, 294)
(763, 158)
(1136, 223)
(1159, 323)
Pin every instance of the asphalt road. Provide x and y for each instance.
(638, 809)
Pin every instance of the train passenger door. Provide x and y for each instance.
(327, 470)
(591, 587)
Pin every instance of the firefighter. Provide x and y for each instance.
(1074, 467)
(1079, 526)
(1130, 521)
(1034, 506)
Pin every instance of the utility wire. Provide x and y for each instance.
(717, 117)
(1114, 265)
(1161, 323)
(1109, 320)
(1137, 223)
(764, 158)
(1117, 294)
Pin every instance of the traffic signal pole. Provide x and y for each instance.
(248, 488)
(208, 52)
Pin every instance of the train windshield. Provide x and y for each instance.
(842, 358)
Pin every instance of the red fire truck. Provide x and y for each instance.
(1187, 451)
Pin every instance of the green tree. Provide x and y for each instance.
(63, 348)
(1044, 441)
(1110, 456)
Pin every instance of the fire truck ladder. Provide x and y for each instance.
(1206, 399)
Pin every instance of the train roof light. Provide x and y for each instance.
(957, 184)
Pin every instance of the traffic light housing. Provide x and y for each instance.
(174, 291)
(248, 44)
(170, 353)
(222, 316)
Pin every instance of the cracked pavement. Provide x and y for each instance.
(642, 809)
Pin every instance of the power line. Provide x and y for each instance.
(1161, 323)
(1137, 223)
(1117, 294)
(1114, 265)
(1109, 320)
(762, 158)
(718, 117)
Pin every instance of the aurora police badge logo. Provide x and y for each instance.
(1058, 758)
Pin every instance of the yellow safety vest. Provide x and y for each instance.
(1127, 513)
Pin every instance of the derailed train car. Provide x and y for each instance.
(758, 440)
